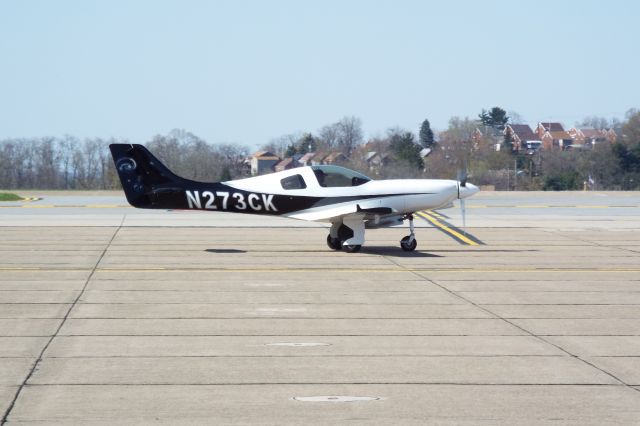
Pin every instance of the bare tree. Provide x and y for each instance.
(350, 134)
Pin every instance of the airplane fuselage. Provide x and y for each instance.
(349, 200)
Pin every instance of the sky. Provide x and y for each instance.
(247, 72)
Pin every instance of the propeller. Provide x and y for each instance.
(462, 182)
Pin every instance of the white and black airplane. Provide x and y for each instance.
(349, 200)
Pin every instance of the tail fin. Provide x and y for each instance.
(147, 182)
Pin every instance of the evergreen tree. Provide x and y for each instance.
(406, 150)
(306, 144)
(291, 151)
(426, 134)
(496, 117)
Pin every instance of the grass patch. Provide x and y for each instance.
(6, 196)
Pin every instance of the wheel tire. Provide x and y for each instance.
(406, 246)
(333, 243)
(352, 248)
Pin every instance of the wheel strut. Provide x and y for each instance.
(412, 234)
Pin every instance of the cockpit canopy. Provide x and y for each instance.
(336, 176)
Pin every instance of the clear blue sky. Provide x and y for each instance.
(249, 71)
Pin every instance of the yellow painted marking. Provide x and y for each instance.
(18, 268)
(38, 206)
(445, 228)
(433, 213)
(150, 268)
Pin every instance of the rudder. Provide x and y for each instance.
(143, 176)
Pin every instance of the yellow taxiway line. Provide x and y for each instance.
(434, 221)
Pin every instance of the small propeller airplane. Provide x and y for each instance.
(349, 200)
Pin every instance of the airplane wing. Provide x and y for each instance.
(365, 209)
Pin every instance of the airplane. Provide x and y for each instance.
(350, 201)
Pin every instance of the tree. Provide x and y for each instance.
(291, 151)
(225, 175)
(344, 135)
(496, 117)
(515, 118)
(507, 142)
(426, 134)
(307, 143)
(350, 134)
(562, 181)
(631, 130)
(281, 144)
(404, 148)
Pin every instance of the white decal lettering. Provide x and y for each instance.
(193, 198)
(240, 204)
(209, 195)
(267, 200)
(225, 197)
(251, 198)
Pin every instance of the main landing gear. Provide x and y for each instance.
(349, 235)
(341, 237)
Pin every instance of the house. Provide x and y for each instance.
(306, 159)
(335, 158)
(553, 135)
(578, 136)
(611, 135)
(556, 139)
(376, 160)
(548, 127)
(476, 137)
(522, 136)
(318, 159)
(263, 162)
(286, 164)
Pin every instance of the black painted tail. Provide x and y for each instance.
(147, 182)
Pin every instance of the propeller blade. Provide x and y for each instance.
(464, 215)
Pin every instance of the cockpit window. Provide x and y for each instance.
(293, 182)
(336, 176)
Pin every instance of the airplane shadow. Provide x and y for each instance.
(483, 251)
(221, 251)
(395, 252)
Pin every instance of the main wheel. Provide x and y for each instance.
(352, 248)
(333, 243)
(408, 246)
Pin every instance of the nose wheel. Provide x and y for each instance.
(409, 243)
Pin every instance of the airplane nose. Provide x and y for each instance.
(468, 190)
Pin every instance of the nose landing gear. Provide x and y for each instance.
(409, 243)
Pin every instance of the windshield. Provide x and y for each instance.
(336, 176)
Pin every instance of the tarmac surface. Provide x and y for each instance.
(111, 315)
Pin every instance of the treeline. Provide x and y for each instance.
(56, 163)
(72, 163)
